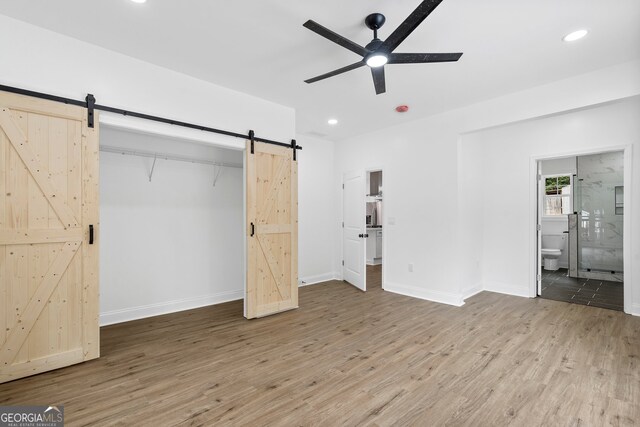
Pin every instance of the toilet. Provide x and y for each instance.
(552, 246)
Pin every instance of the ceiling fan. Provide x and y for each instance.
(377, 53)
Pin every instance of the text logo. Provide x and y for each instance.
(32, 416)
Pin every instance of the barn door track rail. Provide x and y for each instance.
(90, 104)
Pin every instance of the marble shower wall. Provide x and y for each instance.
(599, 228)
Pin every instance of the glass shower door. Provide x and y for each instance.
(599, 225)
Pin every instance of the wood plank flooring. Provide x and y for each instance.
(353, 358)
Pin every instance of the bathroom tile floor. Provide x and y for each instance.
(557, 285)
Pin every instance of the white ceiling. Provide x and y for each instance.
(260, 47)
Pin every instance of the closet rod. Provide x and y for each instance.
(90, 104)
(165, 156)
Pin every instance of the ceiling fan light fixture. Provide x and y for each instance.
(575, 35)
(377, 60)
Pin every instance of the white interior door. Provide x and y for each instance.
(541, 189)
(353, 240)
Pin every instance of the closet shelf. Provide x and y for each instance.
(166, 156)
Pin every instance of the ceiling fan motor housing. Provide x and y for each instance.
(373, 45)
(375, 21)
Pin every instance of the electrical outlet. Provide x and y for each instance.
(410, 268)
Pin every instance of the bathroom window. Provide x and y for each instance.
(557, 195)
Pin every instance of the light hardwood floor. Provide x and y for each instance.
(353, 358)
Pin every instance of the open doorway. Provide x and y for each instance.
(362, 229)
(580, 229)
(374, 229)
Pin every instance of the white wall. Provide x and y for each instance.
(67, 67)
(315, 211)
(470, 220)
(175, 242)
(441, 226)
(508, 151)
(420, 195)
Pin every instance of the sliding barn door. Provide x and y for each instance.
(272, 230)
(48, 268)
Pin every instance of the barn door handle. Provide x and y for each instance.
(91, 234)
(253, 229)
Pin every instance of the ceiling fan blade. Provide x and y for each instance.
(336, 38)
(336, 72)
(378, 80)
(409, 24)
(421, 58)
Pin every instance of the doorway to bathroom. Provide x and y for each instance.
(580, 229)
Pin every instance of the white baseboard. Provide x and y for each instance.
(319, 278)
(157, 309)
(425, 294)
(472, 290)
(504, 288)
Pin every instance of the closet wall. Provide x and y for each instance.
(173, 243)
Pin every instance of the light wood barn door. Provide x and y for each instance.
(48, 270)
(272, 230)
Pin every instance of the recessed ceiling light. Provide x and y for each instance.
(576, 35)
(332, 122)
(139, 1)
